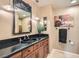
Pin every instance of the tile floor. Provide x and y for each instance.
(61, 54)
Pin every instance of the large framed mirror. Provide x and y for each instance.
(22, 15)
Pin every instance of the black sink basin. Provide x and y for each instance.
(29, 41)
(38, 36)
(26, 42)
(18, 46)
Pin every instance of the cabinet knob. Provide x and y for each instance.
(28, 50)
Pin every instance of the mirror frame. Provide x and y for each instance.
(14, 21)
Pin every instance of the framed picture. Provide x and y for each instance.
(63, 21)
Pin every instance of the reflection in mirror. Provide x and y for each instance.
(22, 19)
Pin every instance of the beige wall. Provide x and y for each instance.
(50, 12)
(47, 11)
(73, 33)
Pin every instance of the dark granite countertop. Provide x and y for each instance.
(6, 52)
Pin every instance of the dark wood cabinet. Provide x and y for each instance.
(38, 50)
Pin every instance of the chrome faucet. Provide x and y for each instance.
(20, 40)
(26, 37)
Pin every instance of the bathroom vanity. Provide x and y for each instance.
(35, 47)
(37, 50)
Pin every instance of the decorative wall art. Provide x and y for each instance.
(63, 20)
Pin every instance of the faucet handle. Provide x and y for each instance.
(20, 40)
(27, 37)
(24, 37)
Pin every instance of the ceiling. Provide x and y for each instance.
(56, 3)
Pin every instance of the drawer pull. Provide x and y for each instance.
(36, 45)
(28, 50)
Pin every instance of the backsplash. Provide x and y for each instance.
(13, 41)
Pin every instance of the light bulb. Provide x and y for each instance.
(73, 1)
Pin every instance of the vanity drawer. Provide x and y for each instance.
(36, 46)
(46, 42)
(27, 51)
(42, 43)
(16, 55)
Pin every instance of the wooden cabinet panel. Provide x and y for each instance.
(43, 42)
(17, 55)
(37, 54)
(36, 46)
(38, 50)
(32, 55)
(45, 46)
(41, 52)
(46, 50)
(27, 51)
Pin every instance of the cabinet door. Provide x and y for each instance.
(17, 55)
(37, 54)
(36, 46)
(32, 55)
(27, 51)
(46, 50)
(41, 52)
